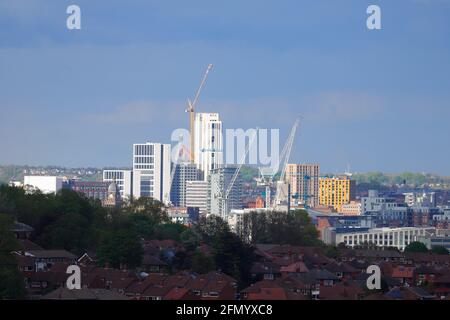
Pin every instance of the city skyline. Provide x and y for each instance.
(377, 101)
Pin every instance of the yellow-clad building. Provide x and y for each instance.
(336, 191)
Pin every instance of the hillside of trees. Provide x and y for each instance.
(75, 223)
(408, 178)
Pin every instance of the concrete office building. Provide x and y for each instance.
(304, 181)
(197, 195)
(374, 203)
(184, 172)
(423, 199)
(441, 238)
(381, 237)
(386, 210)
(45, 184)
(151, 171)
(218, 182)
(123, 180)
(208, 137)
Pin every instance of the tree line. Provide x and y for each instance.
(69, 220)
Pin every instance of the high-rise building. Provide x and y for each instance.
(197, 195)
(184, 172)
(218, 182)
(123, 180)
(304, 181)
(336, 191)
(151, 171)
(208, 136)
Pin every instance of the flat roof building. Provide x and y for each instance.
(45, 184)
(151, 171)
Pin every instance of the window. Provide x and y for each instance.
(328, 283)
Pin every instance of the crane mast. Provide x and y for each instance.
(286, 153)
(191, 110)
(224, 197)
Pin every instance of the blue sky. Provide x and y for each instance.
(374, 100)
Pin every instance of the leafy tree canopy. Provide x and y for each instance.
(416, 247)
(440, 250)
(11, 281)
(276, 227)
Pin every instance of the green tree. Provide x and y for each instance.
(416, 247)
(120, 249)
(71, 232)
(190, 239)
(439, 250)
(332, 252)
(170, 231)
(276, 227)
(12, 285)
(149, 207)
(231, 255)
(202, 263)
(208, 228)
(143, 224)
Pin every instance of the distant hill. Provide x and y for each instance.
(16, 173)
(406, 178)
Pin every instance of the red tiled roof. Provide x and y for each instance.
(403, 272)
(156, 291)
(296, 267)
(24, 261)
(151, 260)
(268, 294)
(281, 289)
(176, 294)
(428, 257)
(340, 267)
(50, 277)
(59, 267)
(27, 245)
(177, 280)
(378, 296)
(340, 291)
(265, 267)
(445, 278)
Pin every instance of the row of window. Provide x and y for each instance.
(144, 150)
(149, 159)
(113, 175)
(144, 167)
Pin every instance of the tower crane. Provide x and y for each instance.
(286, 153)
(191, 110)
(224, 197)
(267, 176)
